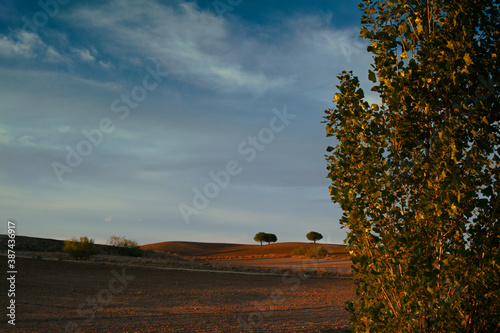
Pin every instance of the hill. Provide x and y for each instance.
(219, 250)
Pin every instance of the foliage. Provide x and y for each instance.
(80, 249)
(417, 175)
(317, 252)
(314, 236)
(122, 241)
(126, 246)
(271, 238)
(260, 237)
(265, 237)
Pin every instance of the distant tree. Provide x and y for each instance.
(265, 237)
(260, 237)
(80, 249)
(122, 241)
(314, 236)
(127, 247)
(271, 238)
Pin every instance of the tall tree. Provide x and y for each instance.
(417, 175)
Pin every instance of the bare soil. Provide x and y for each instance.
(341, 266)
(226, 251)
(68, 296)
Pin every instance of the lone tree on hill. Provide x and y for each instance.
(418, 175)
(260, 237)
(265, 237)
(314, 236)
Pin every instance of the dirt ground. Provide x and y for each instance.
(66, 296)
(342, 266)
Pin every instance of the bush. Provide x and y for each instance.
(317, 252)
(299, 251)
(126, 247)
(80, 249)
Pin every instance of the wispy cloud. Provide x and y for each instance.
(194, 45)
(21, 43)
(226, 74)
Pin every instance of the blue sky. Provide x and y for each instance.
(171, 120)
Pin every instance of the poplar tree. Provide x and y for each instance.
(417, 174)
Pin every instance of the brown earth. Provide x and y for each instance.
(273, 256)
(59, 296)
(227, 251)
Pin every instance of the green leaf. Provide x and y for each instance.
(371, 76)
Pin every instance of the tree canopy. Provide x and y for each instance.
(417, 175)
(314, 236)
(260, 237)
(265, 237)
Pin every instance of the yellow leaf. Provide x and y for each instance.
(336, 98)
(467, 59)
(419, 28)
(375, 107)
(485, 120)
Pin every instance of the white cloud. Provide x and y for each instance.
(21, 43)
(188, 41)
(105, 65)
(84, 54)
(53, 56)
(28, 45)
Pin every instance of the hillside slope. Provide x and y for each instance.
(199, 249)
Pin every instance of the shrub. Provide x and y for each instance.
(122, 242)
(126, 247)
(317, 252)
(80, 249)
(299, 251)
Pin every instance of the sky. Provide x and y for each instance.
(172, 120)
